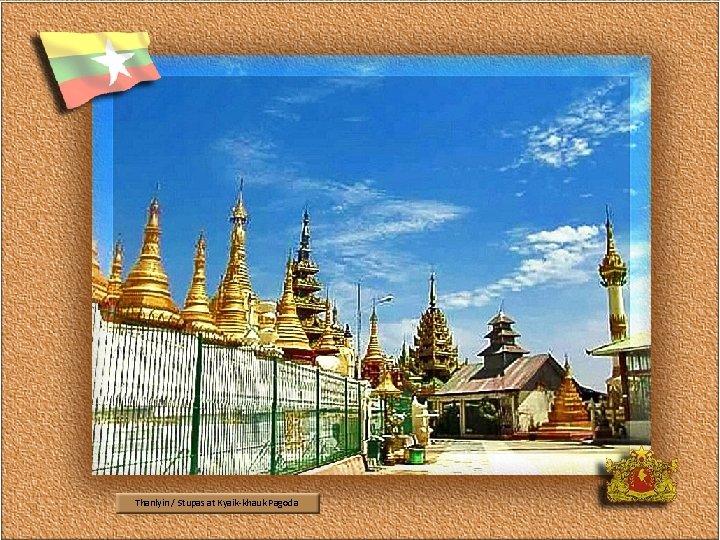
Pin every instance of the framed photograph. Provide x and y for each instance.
(427, 265)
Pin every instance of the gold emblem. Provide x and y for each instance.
(641, 478)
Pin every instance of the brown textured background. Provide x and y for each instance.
(46, 243)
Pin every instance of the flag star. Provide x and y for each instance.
(114, 61)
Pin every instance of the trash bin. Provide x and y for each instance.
(373, 448)
(416, 455)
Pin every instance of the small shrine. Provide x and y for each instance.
(568, 418)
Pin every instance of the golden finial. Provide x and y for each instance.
(432, 290)
(145, 295)
(612, 269)
(568, 369)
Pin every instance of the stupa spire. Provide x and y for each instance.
(433, 297)
(145, 295)
(99, 282)
(196, 312)
(115, 280)
(289, 330)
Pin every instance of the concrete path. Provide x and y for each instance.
(513, 458)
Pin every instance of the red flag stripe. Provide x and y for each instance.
(81, 90)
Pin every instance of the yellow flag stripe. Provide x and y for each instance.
(59, 44)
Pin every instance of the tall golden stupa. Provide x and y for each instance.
(196, 312)
(145, 295)
(290, 334)
(99, 282)
(232, 305)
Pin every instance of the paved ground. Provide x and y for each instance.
(513, 458)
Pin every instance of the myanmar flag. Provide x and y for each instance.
(88, 65)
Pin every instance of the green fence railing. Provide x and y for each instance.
(165, 402)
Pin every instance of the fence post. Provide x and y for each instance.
(347, 415)
(317, 416)
(195, 429)
(360, 418)
(273, 424)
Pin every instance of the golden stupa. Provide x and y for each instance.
(374, 360)
(289, 329)
(386, 387)
(568, 418)
(327, 339)
(196, 312)
(145, 295)
(99, 282)
(232, 304)
(115, 280)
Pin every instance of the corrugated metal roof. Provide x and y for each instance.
(636, 342)
(469, 378)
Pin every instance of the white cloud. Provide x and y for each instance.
(559, 257)
(283, 114)
(327, 87)
(573, 134)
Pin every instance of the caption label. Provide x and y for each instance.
(217, 503)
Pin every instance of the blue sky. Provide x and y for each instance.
(497, 183)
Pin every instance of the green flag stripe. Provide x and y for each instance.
(72, 67)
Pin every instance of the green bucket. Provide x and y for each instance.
(416, 456)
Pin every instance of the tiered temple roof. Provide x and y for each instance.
(306, 287)
(434, 356)
(502, 350)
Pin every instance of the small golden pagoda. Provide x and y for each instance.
(99, 282)
(568, 418)
(232, 309)
(196, 312)
(145, 295)
(327, 343)
(373, 363)
(291, 336)
(434, 356)
(115, 280)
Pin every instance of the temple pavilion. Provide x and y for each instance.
(434, 357)
(509, 393)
